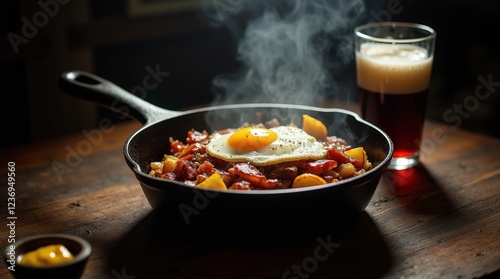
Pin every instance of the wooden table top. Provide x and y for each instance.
(439, 220)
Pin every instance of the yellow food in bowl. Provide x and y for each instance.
(50, 255)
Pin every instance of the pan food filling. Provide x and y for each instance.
(262, 156)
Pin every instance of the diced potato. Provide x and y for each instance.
(214, 181)
(169, 163)
(357, 153)
(314, 127)
(306, 180)
(346, 170)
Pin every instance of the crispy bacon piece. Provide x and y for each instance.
(196, 137)
(227, 177)
(284, 172)
(241, 185)
(185, 170)
(319, 167)
(206, 168)
(176, 146)
(191, 150)
(253, 175)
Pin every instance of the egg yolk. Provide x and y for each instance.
(47, 256)
(251, 139)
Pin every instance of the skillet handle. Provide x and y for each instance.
(95, 89)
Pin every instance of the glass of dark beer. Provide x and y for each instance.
(393, 66)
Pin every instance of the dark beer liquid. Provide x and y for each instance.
(401, 116)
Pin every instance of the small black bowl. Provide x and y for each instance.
(79, 247)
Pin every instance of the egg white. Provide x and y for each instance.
(292, 144)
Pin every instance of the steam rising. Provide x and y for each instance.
(289, 49)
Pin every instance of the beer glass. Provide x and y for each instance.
(393, 68)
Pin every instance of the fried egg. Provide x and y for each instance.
(262, 147)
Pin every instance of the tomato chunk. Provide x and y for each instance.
(319, 167)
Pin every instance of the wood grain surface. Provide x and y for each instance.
(439, 220)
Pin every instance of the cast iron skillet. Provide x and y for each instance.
(287, 209)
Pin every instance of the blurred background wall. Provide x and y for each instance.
(124, 40)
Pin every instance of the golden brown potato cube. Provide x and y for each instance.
(357, 153)
(214, 181)
(169, 163)
(306, 180)
(347, 170)
(314, 127)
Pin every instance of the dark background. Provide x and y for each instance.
(109, 39)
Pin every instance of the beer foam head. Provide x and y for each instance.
(393, 69)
